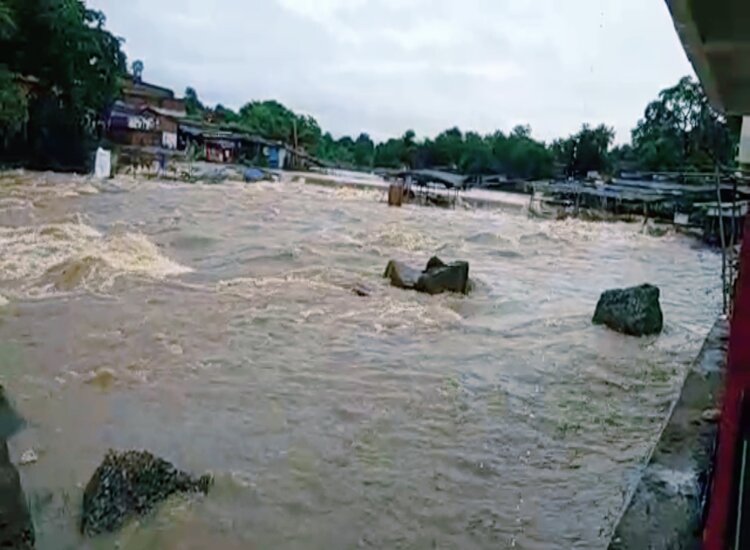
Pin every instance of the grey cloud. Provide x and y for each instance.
(383, 66)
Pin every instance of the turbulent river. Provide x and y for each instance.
(216, 326)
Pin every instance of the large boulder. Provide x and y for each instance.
(635, 311)
(437, 277)
(131, 484)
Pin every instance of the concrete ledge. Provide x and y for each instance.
(666, 509)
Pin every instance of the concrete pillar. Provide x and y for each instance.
(743, 156)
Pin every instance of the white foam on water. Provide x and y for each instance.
(402, 237)
(14, 203)
(250, 287)
(87, 189)
(135, 253)
(302, 293)
(63, 257)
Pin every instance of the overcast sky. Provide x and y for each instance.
(383, 66)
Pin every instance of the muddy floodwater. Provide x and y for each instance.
(216, 326)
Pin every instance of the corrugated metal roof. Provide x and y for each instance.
(144, 88)
(216, 133)
(168, 112)
(448, 179)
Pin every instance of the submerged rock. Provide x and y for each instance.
(401, 275)
(437, 277)
(131, 484)
(362, 290)
(634, 311)
(103, 378)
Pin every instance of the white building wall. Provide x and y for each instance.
(744, 157)
(169, 140)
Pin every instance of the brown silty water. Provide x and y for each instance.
(216, 326)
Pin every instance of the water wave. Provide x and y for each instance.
(63, 257)
(489, 238)
(403, 238)
(327, 297)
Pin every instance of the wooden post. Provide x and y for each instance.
(395, 194)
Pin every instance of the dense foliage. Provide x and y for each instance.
(587, 151)
(679, 131)
(59, 71)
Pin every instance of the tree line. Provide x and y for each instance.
(679, 131)
(60, 71)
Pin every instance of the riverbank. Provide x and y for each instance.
(666, 509)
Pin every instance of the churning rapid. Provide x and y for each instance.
(216, 326)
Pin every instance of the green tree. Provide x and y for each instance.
(7, 23)
(681, 131)
(408, 148)
(76, 65)
(389, 154)
(273, 120)
(325, 147)
(308, 132)
(364, 151)
(269, 119)
(476, 155)
(518, 155)
(448, 148)
(587, 151)
(521, 131)
(14, 107)
(193, 105)
(224, 115)
(623, 158)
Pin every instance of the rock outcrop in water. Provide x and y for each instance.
(16, 527)
(634, 311)
(437, 277)
(131, 484)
